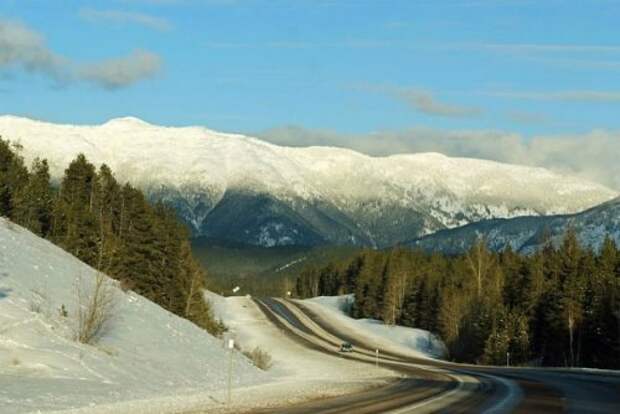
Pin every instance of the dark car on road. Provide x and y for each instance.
(346, 347)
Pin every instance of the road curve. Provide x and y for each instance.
(427, 389)
(541, 390)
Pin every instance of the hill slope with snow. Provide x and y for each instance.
(527, 234)
(147, 353)
(245, 190)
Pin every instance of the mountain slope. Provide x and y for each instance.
(245, 190)
(146, 352)
(526, 234)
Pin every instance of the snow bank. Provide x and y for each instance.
(417, 342)
(291, 360)
(147, 352)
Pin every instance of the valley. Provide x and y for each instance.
(309, 207)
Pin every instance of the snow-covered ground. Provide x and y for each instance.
(148, 361)
(292, 362)
(146, 353)
(415, 342)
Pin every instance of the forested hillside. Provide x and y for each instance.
(557, 307)
(109, 226)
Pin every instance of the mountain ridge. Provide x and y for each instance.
(303, 195)
(528, 234)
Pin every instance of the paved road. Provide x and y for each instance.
(436, 386)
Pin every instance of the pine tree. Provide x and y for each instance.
(33, 202)
(107, 210)
(74, 226)
(13, 176)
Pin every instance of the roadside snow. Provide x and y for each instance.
(149, 361)
(291, 360)
(411, 341)
(147, 352)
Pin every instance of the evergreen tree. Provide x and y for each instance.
(74, 226)
(111, 228)
(13, 176)
(33, 202)
(107, 210)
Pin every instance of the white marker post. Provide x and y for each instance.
(377, 358)
(507, 359)
(231, 347)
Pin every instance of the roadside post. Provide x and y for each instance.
(377, 358)
(507, 359)
(231, 347)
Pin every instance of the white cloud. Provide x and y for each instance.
(121, 72)
(425, 102)
(117, 16)
(24, 48)
(593, 155)
(565, 96)
(527, 118)
(156, 2)
(288, 44)
(544, 48)
(421, 100)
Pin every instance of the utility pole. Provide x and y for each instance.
(231, 347)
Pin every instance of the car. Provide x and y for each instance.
(346, 347)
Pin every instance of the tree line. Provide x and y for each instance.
(557, 307)
(110, 226)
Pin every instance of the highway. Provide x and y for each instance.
(437, 386)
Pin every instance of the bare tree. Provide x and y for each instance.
(617, 315)
(573, 314)
(480, 261)
(193, 286)
(94, 309)
(451, 314)
(394, 297)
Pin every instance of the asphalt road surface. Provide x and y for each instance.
(436, 386)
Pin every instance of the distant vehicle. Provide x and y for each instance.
(346, 347)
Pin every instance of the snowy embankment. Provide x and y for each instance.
(400, 339)
(302, 373)
(148, 360)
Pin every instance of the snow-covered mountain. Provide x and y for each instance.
(526, 234)
(245, 190)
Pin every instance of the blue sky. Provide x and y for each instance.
(350, 66)
(521, 81)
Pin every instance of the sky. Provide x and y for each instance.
(522, 81)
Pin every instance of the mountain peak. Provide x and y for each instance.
(126, 121)
(303, 195)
